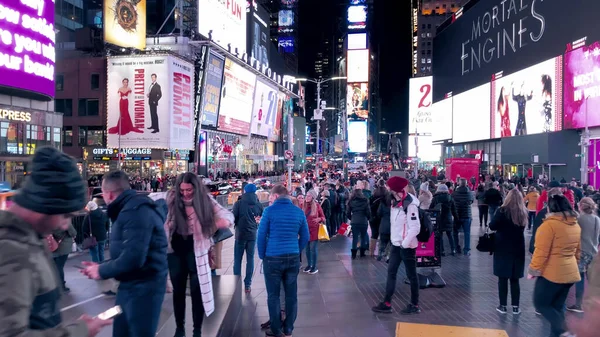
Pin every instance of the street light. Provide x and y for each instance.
(318, 82)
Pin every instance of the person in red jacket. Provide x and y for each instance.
(543, 199)
(314, 217)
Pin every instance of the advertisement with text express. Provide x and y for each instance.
(358, 100)
(27, 52)
(442, 120)
(264, 111)
(471, 115)
(224, 22)
(125, 23)
(528, 101)
(507, 35)
(582, 87)
(211, 97)
(358, 65)
(236, 99)
(357, 136)
(149, 102)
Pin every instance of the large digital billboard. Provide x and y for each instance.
(150, 102)
(442, 120)
(357, 100)
(471, 115)
(125, 23)
(27, 49)
(500, 35)
(358, 66)
(224, 22)
(582, 87)
(264, 111)
(357, 136)
(236, 99)
(211, 96)
(419, 105)
(357, 14)
(423, 148)
(260, 35)
(528, 101)
(286, 18)
(357, 41)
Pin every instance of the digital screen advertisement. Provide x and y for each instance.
(125, 23)
(528, 101)
(286, 44)
(260, 39)
(286, 18)
(594, 163)
(278, 127)
(426, 150)
(27, 53)
(150, 102)
(420, 117)
(358, 100)
(357, 136)
(582, 87)
(264, 112)
(471, 115)
(506, 36)
(357, 41)
(211, 96)
(236, 99)
(358, 66)
(442, 120)
(224, 22)
(357, 14)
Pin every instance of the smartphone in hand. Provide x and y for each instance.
(110, 313)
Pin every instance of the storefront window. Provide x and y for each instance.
(95, 136)
(36, 137)
(68, 136)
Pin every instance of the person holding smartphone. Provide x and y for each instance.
(31, 290)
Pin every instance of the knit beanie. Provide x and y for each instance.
(397, 184)
(54, 185)
(313, 194)
(442, 189)
(250, 188)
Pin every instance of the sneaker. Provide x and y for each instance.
(66, 289)
(411, 309)
(110, 293)
(516, 310)
(270, 333)
(453, 252)
(501, 309)
(458, 250)
(537, 312)
(384, 308)
(575, 308)
(568, 334)
(307, 269)
(313, 271)
(248, 290)
(467, 253)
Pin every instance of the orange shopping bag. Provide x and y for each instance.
(323, 234)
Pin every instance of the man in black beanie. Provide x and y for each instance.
(138, 251)
(30, 293)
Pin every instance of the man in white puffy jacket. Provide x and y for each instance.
(405, 227)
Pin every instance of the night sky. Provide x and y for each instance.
(390, 31)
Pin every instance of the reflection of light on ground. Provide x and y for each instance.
(427, 330)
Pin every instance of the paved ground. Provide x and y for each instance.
(336, 302)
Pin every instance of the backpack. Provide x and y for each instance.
(426, 225)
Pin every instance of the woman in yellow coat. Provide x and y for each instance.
(531, 200)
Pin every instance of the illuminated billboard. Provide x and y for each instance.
(286, 18)
(582, 87)
(125, 23)
(442, 120)
(286, 44)
(358, 66)
(419, 105)
(357, 100)
(237, 97)
(423, 148)
(471, 115)
(357, 14)
(27, 52)
(212, 89)
(357, 136)
(224, 22)
(357, 41)
(264, 112)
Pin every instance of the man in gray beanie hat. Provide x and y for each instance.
(29, 298)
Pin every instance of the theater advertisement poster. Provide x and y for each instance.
(125, 23)
(237, 97)
(528, 101)
(582, 87)
(150, 103)
(264, 111)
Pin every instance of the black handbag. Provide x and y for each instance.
(90, 241)
(222, 234)
(486, 242)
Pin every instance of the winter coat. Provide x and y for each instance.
(531, 199)
(425, 198)
(383, 213)
(244, 211)
(343, 196)
(65, 241)
(283, 230)
(557, 250)
(326, 206)
(31, 287)
(99, 223)
(493, 197)
(314, 221)
(480, 196)
(138, 242)
(463, 199)
(405, 225)
(509, 246)
(359, 212)
(444, 203)
(375, 221)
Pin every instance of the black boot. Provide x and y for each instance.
(362, 252)
(353, 253)
(197, 333)
(179, 332)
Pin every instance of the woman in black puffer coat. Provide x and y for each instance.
(443, 203)
(359, 213)
(378, 197)
(383, 213)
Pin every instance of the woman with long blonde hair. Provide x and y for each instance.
(509, 222)
(314, 217)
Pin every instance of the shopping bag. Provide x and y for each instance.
(323, 233)
(343, 228)
(348, 231)
(486, 242)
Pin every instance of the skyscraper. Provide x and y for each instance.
(284, 29)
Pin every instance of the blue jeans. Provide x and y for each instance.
(141, 303)
(311, 254)
(531, 219)
(465, 225)
(492, 210)
(238, 252)
(579, 289)
(280, 269)
(364, 237)
(97, 252)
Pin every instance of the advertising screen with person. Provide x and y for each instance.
(150, 102)
(528, 101)
(582, 87)
(358, 100)
(264, 111)
(237, 97)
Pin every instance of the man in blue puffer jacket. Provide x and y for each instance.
(282, 235)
